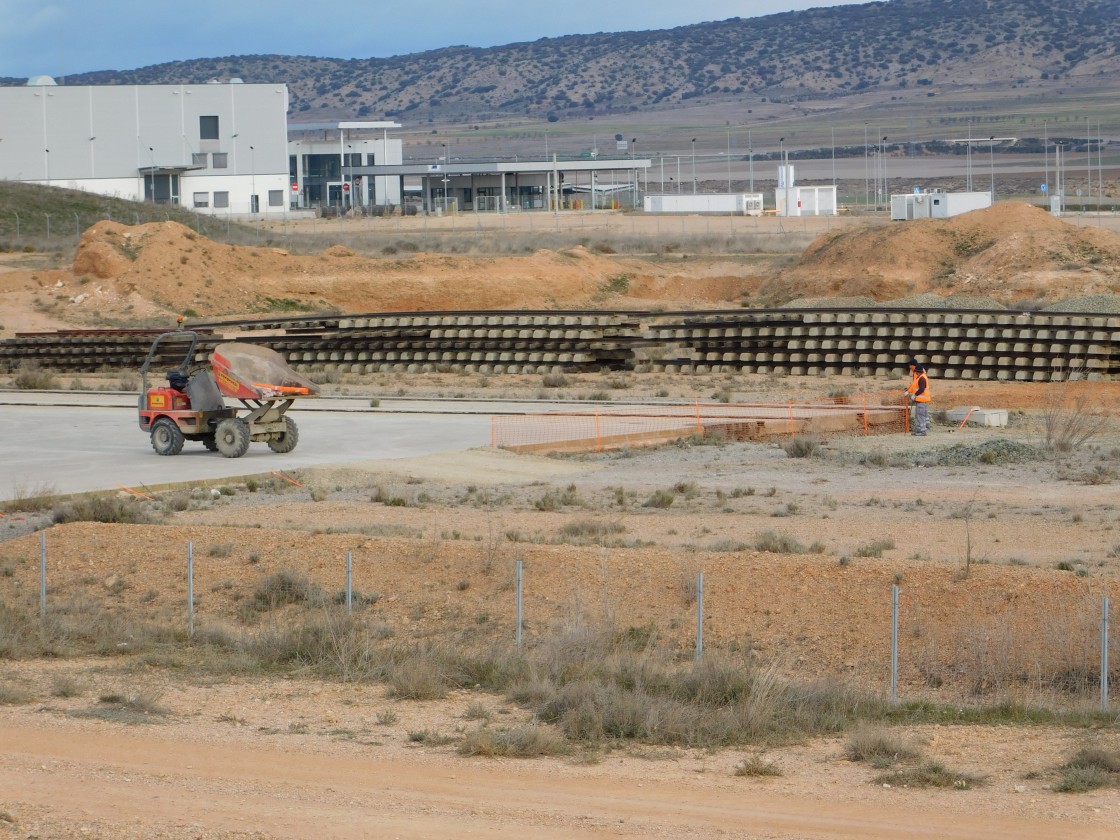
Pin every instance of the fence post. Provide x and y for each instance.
(699, 617)
(349, 581)
(598, 436)
(791, 431)
(42, 575)
(190, 590)
(519, 603)
(894, 645)
(1104, 655)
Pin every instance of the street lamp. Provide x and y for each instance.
(883, 166)
(992, 164)
(866, 189)
(750, 157)
(784, 170)
(47, 164)
(634, 172)
(253, 205)
(446, 164)
(694, 166)
(152, 174)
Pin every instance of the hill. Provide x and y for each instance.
(912, 48)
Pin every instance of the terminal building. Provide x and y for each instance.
(227, 148)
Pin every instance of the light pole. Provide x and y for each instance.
(784, 175)
(694, 166)
(634, 172)
(446, 164)
(992, 164)
(750, 158)
(729, 161)
(47, 164)
(152, 174)
(968, 162)
(883, 165)
(253, 205)
(866, 190)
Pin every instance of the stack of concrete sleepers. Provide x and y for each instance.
(1035, 347)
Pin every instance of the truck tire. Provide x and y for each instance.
(166, 437)
(288, 438)
(232, 437)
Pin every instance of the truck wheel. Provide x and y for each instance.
(288, 438)
(232, 437)
(166, 437)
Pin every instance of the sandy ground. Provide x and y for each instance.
(975, 548)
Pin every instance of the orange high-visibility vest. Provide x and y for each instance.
(919, 387)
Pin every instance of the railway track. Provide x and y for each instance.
(955, 344)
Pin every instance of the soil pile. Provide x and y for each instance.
(171, 267)
(1010, 252)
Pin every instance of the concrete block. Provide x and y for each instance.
(978, 416)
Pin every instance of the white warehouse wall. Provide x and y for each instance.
(104, 138)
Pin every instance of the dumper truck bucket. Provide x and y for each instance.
(249, 372)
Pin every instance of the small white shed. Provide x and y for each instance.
(936, 205)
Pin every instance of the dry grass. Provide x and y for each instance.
(519, 742)
(931, 774)
(756, 766)
(880, 747)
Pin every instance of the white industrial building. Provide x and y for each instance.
(736, 204)
(326, 161)
(793, 200)
(227, 148)
(936, 204)
(212, 147)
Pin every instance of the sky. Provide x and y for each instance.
(60, 37)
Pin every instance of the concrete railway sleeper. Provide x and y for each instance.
(973, 344)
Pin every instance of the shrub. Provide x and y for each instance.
(879, 747)
(775, 542)
(102, 509)
(660, 499)
(756, 765)
(285, 587)
(802, 446)
(931, 774)
(520, 742)
(31, 377)
(875, 548)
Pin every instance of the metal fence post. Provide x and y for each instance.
(699, 617)
(894, 644)
(519, 603)
(190, 590)
(1104, 655)
(42, 575)
(349, 581)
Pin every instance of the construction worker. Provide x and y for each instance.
(919, 396)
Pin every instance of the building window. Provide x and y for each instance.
(275, 198)
(208, 128)
(221, 200)
(198, 159)
(221, 160)
(201, 199)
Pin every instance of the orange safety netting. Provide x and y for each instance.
(599, 428)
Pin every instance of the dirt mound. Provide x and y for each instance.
(174, 269)
(1009, 252)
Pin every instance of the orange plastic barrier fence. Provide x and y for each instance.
(600, 428)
